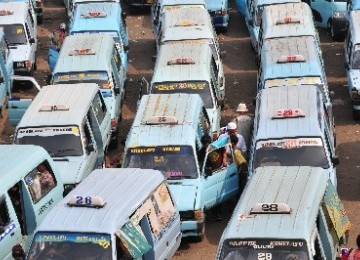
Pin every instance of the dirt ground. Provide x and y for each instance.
(240, 73)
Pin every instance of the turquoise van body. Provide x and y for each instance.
(287, 20)
(166, 135)
(352, 62)
(93, 58)
(292, 127)
(330, 14)
(114, 225)
(220, 13)
(6, 70)
(253, 15)
(292, 61)
(191, 68)
(286, 213)
(21, 208)
(102, 17)
(72, 123)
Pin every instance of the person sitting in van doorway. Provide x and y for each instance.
(240, 162)
(205, 141)
(46, 179)
(244, 123)
(57, 36)
(231, 129)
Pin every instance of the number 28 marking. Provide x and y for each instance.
(269, 207)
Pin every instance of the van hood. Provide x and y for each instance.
(71, 171)
(354, 78)
(214, 4)
(185, 195)
(20, 52)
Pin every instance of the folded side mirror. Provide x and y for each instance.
(335, 160)
(208, 171)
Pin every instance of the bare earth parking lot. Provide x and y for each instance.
(240, 73)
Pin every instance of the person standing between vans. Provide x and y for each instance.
(232, 130)
(240, 162)
(58, 36)
(244, 123)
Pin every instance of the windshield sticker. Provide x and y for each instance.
(81, 75)
(142, 150)
(174, 174)
(266, 244)
(19, 31)
(182, 85)
(101, 240)
(48, 131)
(289, 143)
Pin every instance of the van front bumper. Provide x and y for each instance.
(192, 228)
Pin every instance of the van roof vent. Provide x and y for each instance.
(288, 113)
(5, 12)
(86, 201)
(83, 51)
(291, 58)
(287, 20)
(50, 108)
(181, 61)
(93, 15)
(270, 208)
(158, 120)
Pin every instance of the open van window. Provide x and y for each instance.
(40, 181)
(291, 152)
(58, 141)
(176, 162)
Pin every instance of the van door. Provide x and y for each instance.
(221, 182)
(10, 231)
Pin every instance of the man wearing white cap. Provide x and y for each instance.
(244, 123)
(231, 130)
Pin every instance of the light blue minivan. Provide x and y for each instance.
(166, 135)
(113, 214)
(286, 213)
(220, 14)
(30, 185)
(93, 58)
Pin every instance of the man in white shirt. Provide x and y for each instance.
(232, 130)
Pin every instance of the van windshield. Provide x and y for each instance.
(311, 80)
(176, 162)
(15, 34)
(99, 77)
(189, 87)
(58, 141)
(291, 152)
(290, 249)
(63, 245)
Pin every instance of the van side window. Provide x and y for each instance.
(4, 215)
(16, 200)
(99, 108)
(116, 58)
(28, 31)
(40, 181)
(204, 122)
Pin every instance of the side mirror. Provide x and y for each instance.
(208, 171)
(32, 40)
(335, 160)
(123, 15)
(1, 79)
(117, 91)
(90, 148)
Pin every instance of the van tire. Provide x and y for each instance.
(356, 114)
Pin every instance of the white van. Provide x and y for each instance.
(72, 123)
(113, 214)
(20, 26)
